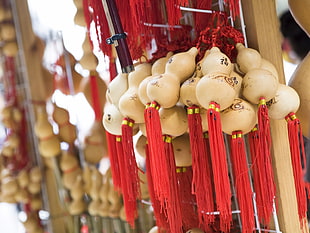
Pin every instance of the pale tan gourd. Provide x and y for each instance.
(79, 18)
(115, 200)
(10, 49)
(23, 178)
(129, 103)
(140, 145)
(103, 194)
(182, 151)
(112, 120)
(240, 116)
(204, 119)
(86, 178)
(165, 88)
(49, 144)
(216, 62)
(267, 65)
(173, 120)
(77, 190)
(158, 68)
(36, 203)
(300, 10)
(35, 174)
(89, 61)
(77, 206)
(300, 81)
(70, 168)
(7, 151)
(259, 83)
(217, 87)
(78, 4)
(9, 186)
(188, 88)
(116, 88)
(22, 196)
(34, 187)
(5, 14)
(236, 80)
(95, 147)
(247, 58)
(7, 31)
(67, 131)
(285, 101)
(96, 183)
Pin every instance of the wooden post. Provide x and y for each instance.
(263, 34)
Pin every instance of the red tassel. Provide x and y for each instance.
(157, 152)
(219, 167)
(242, 182)
(262, 160)
(95, 97)
(130, 172)
(187, 199)
(296, 143)
(159, 213)
(173, 201)
(114, 163)
(234, 6)
(202, 176)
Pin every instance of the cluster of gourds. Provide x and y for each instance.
(177, 82)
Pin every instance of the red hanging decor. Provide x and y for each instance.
(297, 155)
(242, 182)
(219, 167)
(202, 177)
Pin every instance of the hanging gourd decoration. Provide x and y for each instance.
(163, 91)
(103, 195)
(116, 88)
(284, 105)
(94, 205)
(184, 173)
(158, 68)
(70, 168)
(299, 10)
(49, 144)
(201, 182)
(67, 131)
(131, 107)
(260, 86)
(77, 205)
(237, 120)
(247, 58)
(95, 147)
(215, 91)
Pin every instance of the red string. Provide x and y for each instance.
(242, 182)
(95, 97)
(234, 8)
(219, 167)
(130, 172)
(202, 176)
(296, 155)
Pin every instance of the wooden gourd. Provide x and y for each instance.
(158, 68)
(173, 120)
(77, 206)
(285, 101)
(116, 88)
(165, 88)
(95, 147)
(247, 58)
(112, 120)
(240, 116)
(129, 103)
(259, 83)
(182, 151)
(67, 131)
(103, 194)
(70, 168)
(23, 178)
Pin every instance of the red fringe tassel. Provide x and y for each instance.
(187, 199)
(159, 213)
(157, 156)
(261, 159)
(298, 152)
(114, 163)
(95, 97)
(219, 167)
(130, 172)
(242, 182)
(202, 175)
(173, 201)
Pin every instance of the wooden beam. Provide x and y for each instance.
(263, 34)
